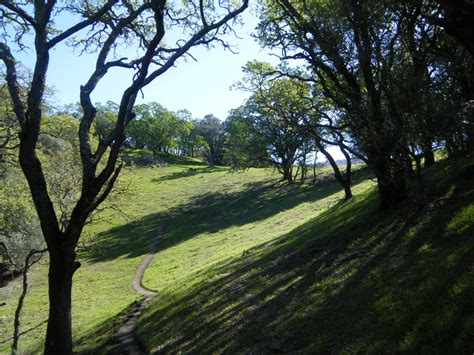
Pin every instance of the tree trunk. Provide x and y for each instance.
(61, 269)
(303, 175)
(26, 266)
(344, 180)
(391, 184)
(347, 191)
(210, 159)
(287, 170)
(429, 156)
(315, 162)
(303, 168)
(297, 172)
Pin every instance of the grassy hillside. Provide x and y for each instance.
(250, 264)
(292, 270)
(102, 286)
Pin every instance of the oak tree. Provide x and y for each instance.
(103, 28)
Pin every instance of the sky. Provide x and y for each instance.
(202, 86)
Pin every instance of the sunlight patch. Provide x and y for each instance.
(462, 221)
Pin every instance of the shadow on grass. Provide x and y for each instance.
(103, 341)
(167, 158)
(209, 213)
(129, 240)
(350, 281)
(180, 160)
(188, 173)
(24, 332)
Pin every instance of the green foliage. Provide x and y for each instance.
(58, 148)
(245, 146)
(159, 130)
(264, 128)
(19, 226)
(105, 119)
(154, 127)
(8, 129)
(377, 66)
(211, 129)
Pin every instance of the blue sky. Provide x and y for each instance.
(202, 87)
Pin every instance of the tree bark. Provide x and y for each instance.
(347, 191)
(287, 170)
(429, 156)
(287, 174)
(345, 181)
(391, 184)
(61, 269)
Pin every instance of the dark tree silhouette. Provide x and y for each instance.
(104, 28)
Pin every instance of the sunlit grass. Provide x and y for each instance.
(462, 221)
(102, 286)
(250, 264)
(341, 278)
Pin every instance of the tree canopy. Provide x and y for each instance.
(104, 29)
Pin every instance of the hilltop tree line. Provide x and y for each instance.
(160, 130)
(387, 83)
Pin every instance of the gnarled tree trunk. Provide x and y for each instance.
(343, 179)
(428, 155)
(61, 269)
(391, 183)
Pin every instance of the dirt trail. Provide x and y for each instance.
(125, 335)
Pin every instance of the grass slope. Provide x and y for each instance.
(291, 270)
(250, 265)
(102, 286)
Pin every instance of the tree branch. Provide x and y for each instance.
(19, 11)
(80, 26)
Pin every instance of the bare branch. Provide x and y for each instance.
(13, 85)
(201, 10)
(193, 41)
(19, 11)
(76, 28)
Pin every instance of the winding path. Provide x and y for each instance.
(125, 335)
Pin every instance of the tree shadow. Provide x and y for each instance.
(165, 158)
(180, 160)
(102, 339)
(129, 240)
(208, 213)
(188, 173)
(24, 332)
(402, 283)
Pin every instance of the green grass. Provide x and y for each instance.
(102, 286)
(307, 274)
(166, 158)
(248, 264)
